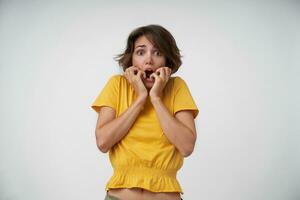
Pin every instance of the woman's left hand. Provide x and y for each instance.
(161, 77)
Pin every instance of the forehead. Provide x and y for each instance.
(143, 41)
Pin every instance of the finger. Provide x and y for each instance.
(154, 76)
(129, 70)
(140, 73)
(126, 70)
(158, 71)
(126, 76)
(134, 70)
(162, 72)
(168, 71)
(125, 73)
(132, 67)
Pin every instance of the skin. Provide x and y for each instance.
(179, 129)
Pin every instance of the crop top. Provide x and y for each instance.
(145, 158)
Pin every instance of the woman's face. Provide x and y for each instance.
(147, 58)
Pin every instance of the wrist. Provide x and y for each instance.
(142, 98)
(155, 99)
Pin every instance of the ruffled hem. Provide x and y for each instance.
(154, 180)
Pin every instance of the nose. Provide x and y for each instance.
(148, 59)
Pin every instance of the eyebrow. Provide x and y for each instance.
(140, 46)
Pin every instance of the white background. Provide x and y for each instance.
(241, 63)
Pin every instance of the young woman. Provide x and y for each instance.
(146, 119)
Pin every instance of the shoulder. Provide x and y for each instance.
(116, 78)
(118, 81)
(178, 81)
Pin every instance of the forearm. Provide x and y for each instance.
(112, 132)
(177, 133)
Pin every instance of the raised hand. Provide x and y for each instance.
(134, 77)
(161, 77)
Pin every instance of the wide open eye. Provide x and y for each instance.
(157, 53)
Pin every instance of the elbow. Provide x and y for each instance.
(101, 144)
(102, 147)
(187, 153)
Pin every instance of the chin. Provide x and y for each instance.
(149, 85)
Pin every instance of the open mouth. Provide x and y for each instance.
(148, 73)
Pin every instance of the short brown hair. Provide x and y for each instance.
(161, 38)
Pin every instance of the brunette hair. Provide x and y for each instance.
(158, 36)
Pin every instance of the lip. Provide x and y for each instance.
(148, 79)
(148, 72)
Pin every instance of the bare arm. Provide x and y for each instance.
(180, 130)
(110, 130)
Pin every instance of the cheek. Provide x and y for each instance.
(162, 62)
(136, 61)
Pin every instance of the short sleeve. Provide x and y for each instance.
(109, 95)
(183, 99)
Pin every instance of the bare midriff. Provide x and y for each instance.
(142, 194)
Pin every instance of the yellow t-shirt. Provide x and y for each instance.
(145, 158)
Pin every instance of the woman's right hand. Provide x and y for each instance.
(134, 77)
